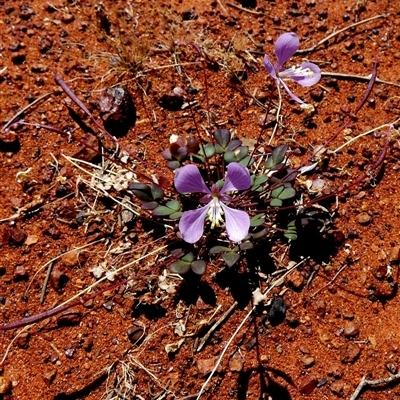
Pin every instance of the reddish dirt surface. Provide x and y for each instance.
(333, 335)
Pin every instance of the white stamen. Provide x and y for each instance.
(296, 71)
(215, 213)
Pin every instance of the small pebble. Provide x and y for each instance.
(308, 361)
(337, 388)
(39, 68)
(277, 312)
(69, 353)
(57, 278)
(87, 344)
(206, 365)
(189, 15)
(18, 58)
(351, 329)
(49, 376)
(317, 94)
(308, 384)
(70, 259)
(364, 218)
(70, 318)
(67, 18)
(236, 362)
(392, 368)
(335, 370)
(135, 333)
(349, 352)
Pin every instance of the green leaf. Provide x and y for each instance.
(173, 205)
(277, 156)
(162, 211)
(260, 234)
(189, 257)
(276, 202)
(257, 220)
(230, 258)
(292, 235)
(229, 156)
(246, 246)
(208, 149)
(283, 193)
(179, 267)
(222, 137)
(173, 165)
(149, 205)
(287, 193)
(247, 161)
(176, 215)
(218, 249)
(198, 267)
(156, 191)
(234, 144)
(141, 191)
(258, 182)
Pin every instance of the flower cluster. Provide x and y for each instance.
(191, 225)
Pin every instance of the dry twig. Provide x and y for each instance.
(364, 382)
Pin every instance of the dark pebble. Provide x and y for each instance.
(277, 312)
(392, 368)
(351, 98)
(70, 318)
(323, 14)
(117, 110)
(15, 236)
(135, 333)
(69, 352)
(45, 44)
(18, 58)
(25, 12)
(317, 94)
(189, 15)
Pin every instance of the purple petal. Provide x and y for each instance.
(269, 67)
(191, 224)
(290, 93)
(237, 223)
(285, 46)
(189, 180)
(237, 178)
(305, 80)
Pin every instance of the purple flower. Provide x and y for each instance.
(307, 74)
(191, 225)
